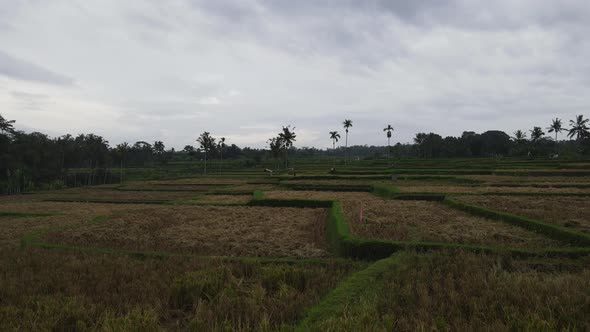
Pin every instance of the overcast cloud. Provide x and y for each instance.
(169, 70)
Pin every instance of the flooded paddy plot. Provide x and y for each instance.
(572, 212)
(415, 221)
(207, 230)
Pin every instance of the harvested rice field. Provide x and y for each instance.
(206, 230)
(571, 212)
(416, 221)
(320, 195)
(224, 199)
(490, 189)
(91, 194)
(14, 228)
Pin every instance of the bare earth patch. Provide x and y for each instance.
(433, 222)
(321, 195)
(571, 212)
(207, 230)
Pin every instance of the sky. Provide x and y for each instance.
(168, 70)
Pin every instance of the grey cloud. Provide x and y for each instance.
(24, 70)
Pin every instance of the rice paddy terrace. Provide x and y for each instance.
(458, 244)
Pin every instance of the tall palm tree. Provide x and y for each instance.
(556, 128)
(579, 128)
(221, 145)
(6, 125)
(347, 124)
(287, 137)
(389, 130)
(207, 143)
(334, 136)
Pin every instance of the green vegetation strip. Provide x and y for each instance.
(549, 230)
(357, 284)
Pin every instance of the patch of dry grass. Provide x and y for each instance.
(223, 199)
(12, 229)
(487, 189)
(571, 212)
(434, 222)
(321, 195)
(207, 230)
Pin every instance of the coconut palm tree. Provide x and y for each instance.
(389, 130)
(334, 136)
(556, 128)
(536, 134)
(221, 145)
(579, 128)
(519, 136)
(347, 125)
(6, 125)
(275, 144)
(207, 143)
(287, 137)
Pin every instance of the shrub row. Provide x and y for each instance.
(549, 230)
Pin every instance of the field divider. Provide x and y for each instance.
(549, 230)
(353, 287)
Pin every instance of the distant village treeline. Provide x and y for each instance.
(34, 160)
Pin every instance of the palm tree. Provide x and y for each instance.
(519, 136)
(207, 143)
(121, 152)
(347, 124)
(536, 134)
(275, 144)
(579, 128)
(389, 130)
(221, 146)
(556, 128)
(287, 137)
(6, 125)
(334, 136)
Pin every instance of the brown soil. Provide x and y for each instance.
(207, 230)
(571, 212)
(433, 222)
(321, 195)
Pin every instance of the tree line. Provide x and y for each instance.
(33, 160)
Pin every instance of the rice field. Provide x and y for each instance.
(250, 253)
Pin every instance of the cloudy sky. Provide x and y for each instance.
(169, 70)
